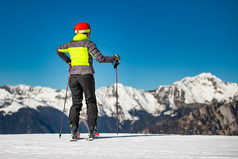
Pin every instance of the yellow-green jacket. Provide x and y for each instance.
(81, 51)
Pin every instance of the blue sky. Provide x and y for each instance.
(159, 41)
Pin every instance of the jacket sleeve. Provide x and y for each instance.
(97, 54)
(61, 51)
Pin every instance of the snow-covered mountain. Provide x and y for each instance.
(129, 99)
(199, 89)
(13, 98)
(188, 92)
(134, 104)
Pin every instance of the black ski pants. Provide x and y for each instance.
(80, 84)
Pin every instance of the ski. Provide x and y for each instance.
(89, 139)
(72, 140)
(92, 138)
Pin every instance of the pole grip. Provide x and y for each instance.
(116, 63)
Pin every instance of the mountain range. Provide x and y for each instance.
(203, 104)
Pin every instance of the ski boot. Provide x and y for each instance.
(74, 133)
(92, 133)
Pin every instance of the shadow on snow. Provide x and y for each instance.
(128, 136)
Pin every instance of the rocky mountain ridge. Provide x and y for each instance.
(140, 110)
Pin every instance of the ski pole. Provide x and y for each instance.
(115, 66)
(62, 118)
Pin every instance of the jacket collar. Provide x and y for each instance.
(80, 37)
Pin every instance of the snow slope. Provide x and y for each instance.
(108, 146)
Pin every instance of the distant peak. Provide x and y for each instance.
(206, 75)
(201, 77)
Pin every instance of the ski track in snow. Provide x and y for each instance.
(113, 146)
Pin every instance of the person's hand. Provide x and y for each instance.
(70, 65)
(116, 57)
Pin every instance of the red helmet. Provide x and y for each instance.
(82, 28)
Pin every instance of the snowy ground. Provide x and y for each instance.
(112, 146)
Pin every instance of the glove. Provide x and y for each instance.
(70, 65)
(116, 57)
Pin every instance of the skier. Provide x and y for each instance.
(81, 51)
